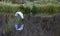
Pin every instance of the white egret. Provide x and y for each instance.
(22, 17)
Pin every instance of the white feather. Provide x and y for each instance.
(20, 14)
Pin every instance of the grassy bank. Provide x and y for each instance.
(34, 8)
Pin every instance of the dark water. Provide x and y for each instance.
(33, 26)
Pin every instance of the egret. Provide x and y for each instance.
(22, 17)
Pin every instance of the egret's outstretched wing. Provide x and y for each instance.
(20, 14)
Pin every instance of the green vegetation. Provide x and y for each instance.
(35, 8)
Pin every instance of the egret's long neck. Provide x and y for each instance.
(20, 14)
